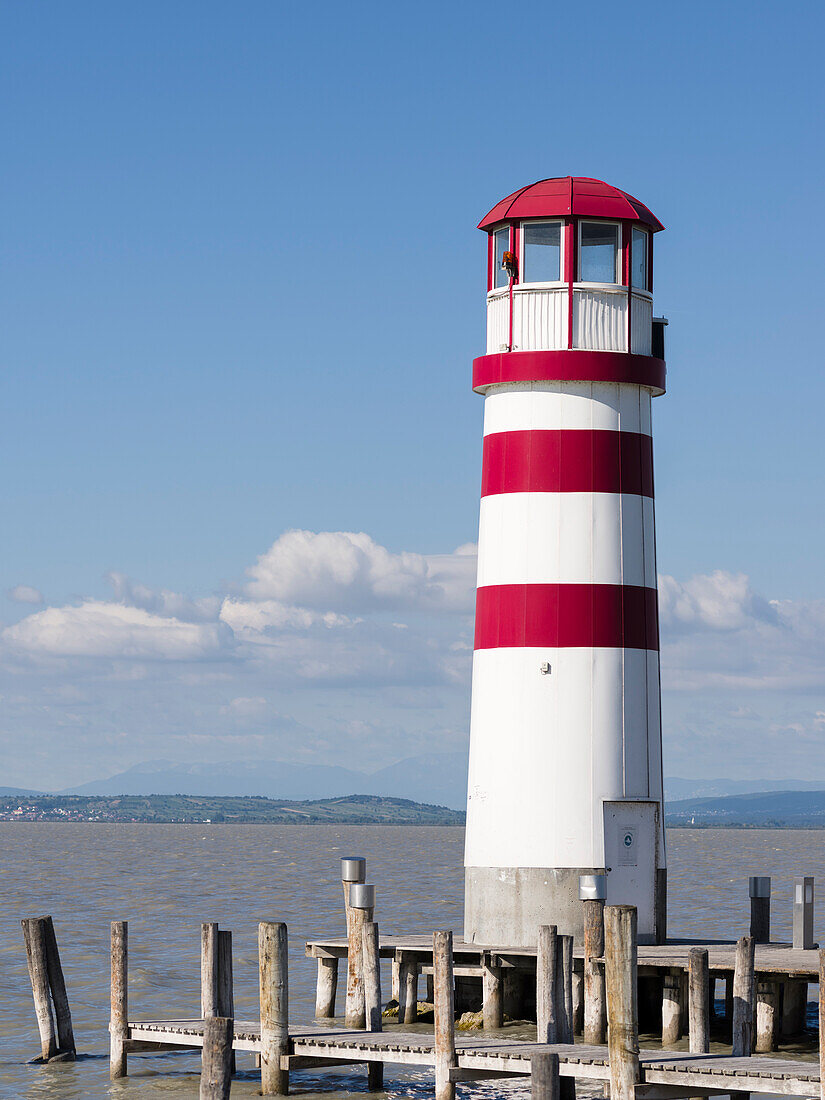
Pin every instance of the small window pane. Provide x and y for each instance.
(500, 276)
(638, 259)
(600, 247)
(542, 252)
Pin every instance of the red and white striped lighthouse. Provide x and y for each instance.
(565, 740)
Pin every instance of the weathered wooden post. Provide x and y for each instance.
(492, 992)
(119, 1010)
(671, 1008)
(209, 969)
(362, 907)
(226, 982)
(592, 892)
(698, 1001)
(564, 988)
(34, 934)
(444, 1013)
(372, 997)
(743, 999)
(60, 1000)
(767, 1013)
(578, 997)
(547, 1030)
(821, 1024)
(216, 1065)
(621, 970)
(326, 989)
(544, 1077)
(407, 987)
(794, 1006)
(759, 888)
(274, 993)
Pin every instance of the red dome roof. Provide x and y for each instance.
(570, 196)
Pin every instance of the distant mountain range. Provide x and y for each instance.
(771, 809)
(677, 789)
(435, 778)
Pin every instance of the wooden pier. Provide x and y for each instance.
(676, 1073)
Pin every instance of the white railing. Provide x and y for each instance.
(498, 322)
(600, 319)
(540, 319)
(641, 324)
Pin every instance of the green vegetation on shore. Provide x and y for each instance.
(357, 809)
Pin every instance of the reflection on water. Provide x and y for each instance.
(166, 879)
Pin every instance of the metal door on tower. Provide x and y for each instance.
(630, 843)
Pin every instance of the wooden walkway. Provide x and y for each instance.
(674, 1073)
(779, 960)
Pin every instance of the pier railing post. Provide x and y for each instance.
(743, 998)
(34, 934)
(592, 890)
(209, 970)
(372, 998)
(698, 1000)
(546, 1020)
(216, 1065)
(444, 1013)
(759, 888)
(544, 1077)
(621, 967)
(361, 909)
(119, 1010)
(274, 994)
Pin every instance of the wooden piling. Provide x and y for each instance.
(594, 995)
(408, 989)
(564, 989)
(767, 1012)
(578, 998)
(209, 970)
(698, 1000)
(372, 997)
(794, 1006)
(544, 1077)
(326, 989)
(274, 998)
(821, 1024)
(671, 1008)
(216, 1065)
(492, 993)
(621, 971)
(119, 999)
(354, 1013)
(226, 982)
(444, 1012)
(34, 935)
(743, 998)
(57, 986)
(547, 1029)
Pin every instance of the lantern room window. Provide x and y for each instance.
(599, 252)
(638, 259)
(541, 252)
(502, 245)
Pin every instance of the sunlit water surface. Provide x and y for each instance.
(166, 879)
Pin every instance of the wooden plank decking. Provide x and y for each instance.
(670, 1070)
(776, 959)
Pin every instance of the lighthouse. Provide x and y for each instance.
(565, 775)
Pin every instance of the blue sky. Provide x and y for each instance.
(242, 289)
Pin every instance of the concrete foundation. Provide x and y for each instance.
(504, 906)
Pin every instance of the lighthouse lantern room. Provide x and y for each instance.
(565, 740)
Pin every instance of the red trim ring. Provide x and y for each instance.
(568, 366)
(568, 461)
(565, 616)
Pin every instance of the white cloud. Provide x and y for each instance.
(250, 617)
(163, 602)
(718, 601)
(349, 571)
(24, 593)
(97, 629)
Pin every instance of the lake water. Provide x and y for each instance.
(166, 879)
